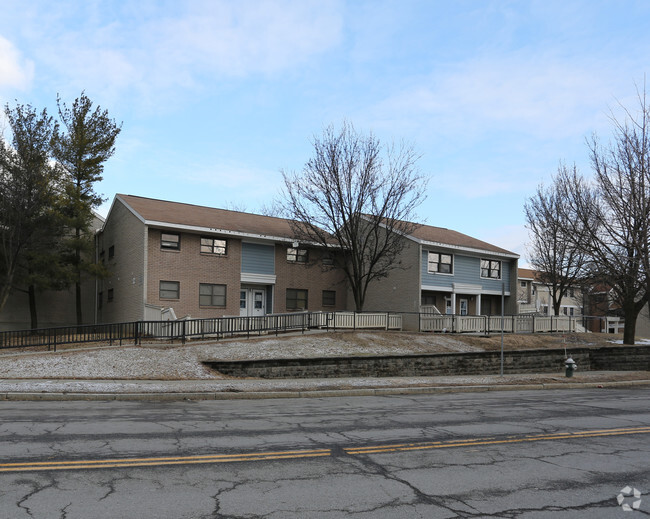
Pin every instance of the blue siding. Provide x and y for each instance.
(257, 259)
(467, 269)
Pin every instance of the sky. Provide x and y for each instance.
(217, 98)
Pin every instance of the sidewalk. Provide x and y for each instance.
(170, 390)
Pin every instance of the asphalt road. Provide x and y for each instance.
(519, 454)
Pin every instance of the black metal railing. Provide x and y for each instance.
(212, 328)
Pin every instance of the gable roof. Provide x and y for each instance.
(162, 213)
(439, 236)
(529, 274)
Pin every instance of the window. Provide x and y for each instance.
(490, 269)
(111, 252)
(296, 299)
(297, 255)
(523, 284)
(170, 290)
(110, 295)
(101, 257)
(428, 300)
(572, 292)
(100, 300)
(329, 298)
(441, 263)
(170, 241)
(328, 259)
(212, 295)
(213, 246)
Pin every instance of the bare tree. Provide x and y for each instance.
(615, 210)
(356, 197)
(556, 252)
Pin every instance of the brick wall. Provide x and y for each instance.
(190, 267)
(126, 234)
(311, 276)
(400, 291)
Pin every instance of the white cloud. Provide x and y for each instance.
(15, 71)
(536, 94)
(150, 51)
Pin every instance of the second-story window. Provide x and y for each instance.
(490, 269)
(213, 246)
(297, 255)
(170, 241)
(440, 263)
(111, 252)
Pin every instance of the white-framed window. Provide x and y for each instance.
(440, 263)
(295, 255)
(213, 246)
(490, 269)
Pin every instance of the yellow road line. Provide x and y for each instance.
(309, 453)
(148, 462)
(489, 441)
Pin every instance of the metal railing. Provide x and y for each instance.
(184, 329)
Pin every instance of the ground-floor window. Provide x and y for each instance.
(170, 290)
(212, 295)
(296, 299)
(329, 298)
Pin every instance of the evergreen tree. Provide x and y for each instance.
(81, 145)
(28, 198)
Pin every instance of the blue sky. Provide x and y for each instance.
(216, 98)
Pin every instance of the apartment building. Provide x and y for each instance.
(205, 262)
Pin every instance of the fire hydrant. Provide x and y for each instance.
(570, 366)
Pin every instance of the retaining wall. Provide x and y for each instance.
(615, 358)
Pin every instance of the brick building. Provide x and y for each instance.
(206, 262)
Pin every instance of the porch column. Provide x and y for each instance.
(478, 304)
(453, 302)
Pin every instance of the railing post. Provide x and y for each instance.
(183, 332)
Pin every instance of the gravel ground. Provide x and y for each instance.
(178, 362)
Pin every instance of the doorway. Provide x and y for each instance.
(252, 302)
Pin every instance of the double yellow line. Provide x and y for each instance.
(494, 441)
(309, 453)
(155, 462)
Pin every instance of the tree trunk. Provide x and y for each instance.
(630, 328)
(31, 291)
(78, 301)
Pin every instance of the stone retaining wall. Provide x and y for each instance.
(614, 358)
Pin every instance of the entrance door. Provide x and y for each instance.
(463, 307)
(252, 302)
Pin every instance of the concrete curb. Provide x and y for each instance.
(328, 393)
